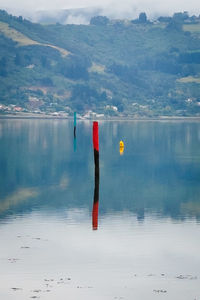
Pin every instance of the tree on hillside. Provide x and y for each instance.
(142, 17)
(174, 25)
(179, 16)
(99, 20)
(164, 19)
(3, 67)
(18, 60)
(74, 67)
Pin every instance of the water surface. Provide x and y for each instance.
(148, 239)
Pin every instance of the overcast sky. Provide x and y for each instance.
(118, 8)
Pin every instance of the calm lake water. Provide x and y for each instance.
(147, 245)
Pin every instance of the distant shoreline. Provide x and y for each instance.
(128, 119)
(49, 117)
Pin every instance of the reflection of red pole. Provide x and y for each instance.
(95, 213)
(95, 210)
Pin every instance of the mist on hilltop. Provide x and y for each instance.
(80, 12)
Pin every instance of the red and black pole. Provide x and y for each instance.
(95, 210)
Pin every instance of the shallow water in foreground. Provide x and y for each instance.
(148, 240)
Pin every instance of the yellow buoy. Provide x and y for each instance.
(121, 147)
(121, 144)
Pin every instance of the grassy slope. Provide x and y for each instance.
(23, 40)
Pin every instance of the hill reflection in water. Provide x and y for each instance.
(158, 173)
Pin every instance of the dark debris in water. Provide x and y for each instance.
(159, 291)
(13, 260)
(48, 279)
(49, 282)
(60, 282)
(190, 277)
(16, 289)
(84, 287)
(48, 285)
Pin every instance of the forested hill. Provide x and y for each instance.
(134, 68)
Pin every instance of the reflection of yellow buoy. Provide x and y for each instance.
(121, 147)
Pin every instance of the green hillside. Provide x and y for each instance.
(116, 68)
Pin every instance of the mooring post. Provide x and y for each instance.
(95, 210)
(74, 124)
